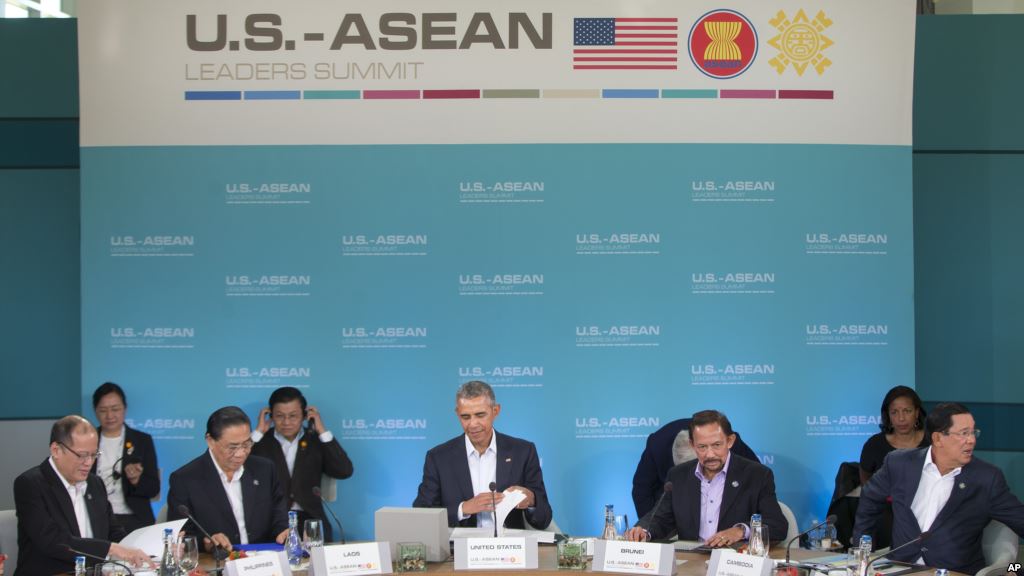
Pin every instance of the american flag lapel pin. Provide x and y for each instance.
(735, 484)
(509, 459)
(255, 482)
(963, 485)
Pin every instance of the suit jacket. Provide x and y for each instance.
(656, 461)
(447, 483)
(198, 486)
(312, 461)
(138, 447)
(979, 494)
(47, 523)
(749, 489)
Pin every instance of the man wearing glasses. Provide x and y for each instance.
(942, 490)
(63, 509)
(238, 499)
(714, 496)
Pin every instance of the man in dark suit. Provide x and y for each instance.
(237, 498)
(302, 456)
(666, 447)
(458, 473)
(128, 461)
(714, 496)
(942, 490)
(62, 506)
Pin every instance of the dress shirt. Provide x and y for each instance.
(711, 492)
(234, 492)
(110, 461)
(483, 469)
(77, 493)
(932, 493)
(290, 449)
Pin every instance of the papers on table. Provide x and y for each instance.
(150, 539)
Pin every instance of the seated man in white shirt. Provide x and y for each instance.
(941, 493)
(62, 508)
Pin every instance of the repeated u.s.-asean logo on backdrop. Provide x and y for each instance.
(722, 44)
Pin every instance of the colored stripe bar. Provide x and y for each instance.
(272, 95)
(805, 95)
(450, 94)
(572, 93)
(618, 93)
(689, 93)
(766, 94)
(331, 94)
(511, 93)
(213, 95)
(391, 94)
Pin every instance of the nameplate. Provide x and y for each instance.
(261, 564)
(350, 559)
(728, 562)
(495, 553)
(634, 558)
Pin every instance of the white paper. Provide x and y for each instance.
(150, 539)
(508, 503)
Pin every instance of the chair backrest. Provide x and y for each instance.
(794, 529)
(161, 516)
(9, 539)
(999, 545)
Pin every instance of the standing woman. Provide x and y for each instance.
(127, 461)
(902, 426)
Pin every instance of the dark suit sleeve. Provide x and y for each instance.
(38, 523)
(336, 461)
(177, 495)
(149, 483)
(647, 486)
(539, 516)
(429, 493)
(279, 521)
(771, 512)
(1005, 507)
(873, 500)
(661, 521)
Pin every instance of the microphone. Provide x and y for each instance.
(494, 505)
(917, 540)
(219, 553)
(101, 559)
(318, 494)
(664, 492)
(830, 520)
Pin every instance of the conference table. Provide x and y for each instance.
(688, 564)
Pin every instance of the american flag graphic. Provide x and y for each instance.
(625, 43)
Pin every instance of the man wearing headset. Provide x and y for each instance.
(302, 449)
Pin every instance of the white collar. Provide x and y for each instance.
(79, 486)
(224, 477)
(930, 465)
(492, 447)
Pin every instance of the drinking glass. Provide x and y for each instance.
(313, 534)
(188, 554)
(855, 561)
(758, 546)
(621, 525)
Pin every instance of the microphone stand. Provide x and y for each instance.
(102, 561)
(219, 553)
(667, 488)
(319, 494)
(494, 506)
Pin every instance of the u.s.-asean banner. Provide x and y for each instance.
(616, 214)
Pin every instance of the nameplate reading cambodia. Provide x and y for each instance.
(495, 553)
(726, 562)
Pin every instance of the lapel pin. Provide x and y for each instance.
(255, 482)
(88, 496)
(735, 484)
(508, 459)
(962, 485)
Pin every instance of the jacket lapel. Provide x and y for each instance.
(462, 470)
(913, 481)
(250, 485)
(961, 487)
(503, 470)
(96, 505)
(691, 500)
(61, 495)
(732, 487)
(219, 496)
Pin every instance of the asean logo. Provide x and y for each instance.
(722, 44)
(800, 42)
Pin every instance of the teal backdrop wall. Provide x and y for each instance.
(968, 165)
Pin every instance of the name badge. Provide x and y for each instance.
(495, 554)
(632, 557)
(351, 559)
(728, 562)
(274, 564)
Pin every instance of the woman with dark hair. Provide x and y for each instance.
(902, 427)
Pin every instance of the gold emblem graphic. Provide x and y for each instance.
(800, 42)
(723, 40)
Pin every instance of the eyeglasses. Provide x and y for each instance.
(287, 417)
(82, 457)
(236, 448)
(963, 435)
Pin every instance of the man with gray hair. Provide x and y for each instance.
(457, 474)
(63, 509)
